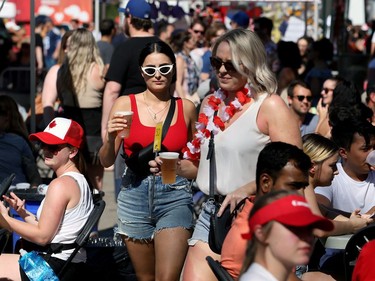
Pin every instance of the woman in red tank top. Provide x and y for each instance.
(155, 219)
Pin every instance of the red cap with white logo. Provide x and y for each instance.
(60, 131)
(291, 210)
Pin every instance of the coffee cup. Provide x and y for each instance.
(128, 115)
(169, 166)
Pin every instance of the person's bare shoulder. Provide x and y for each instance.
(274, 100)
(273, 103)
(122, 103)
(123, 99)
(54, 68)
(188, 105)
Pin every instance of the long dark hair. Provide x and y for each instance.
(15, 123)
(178, 39)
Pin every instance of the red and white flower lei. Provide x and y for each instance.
(208, 122)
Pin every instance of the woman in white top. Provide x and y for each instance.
(249, 116)
(65, 208)
(279, 240)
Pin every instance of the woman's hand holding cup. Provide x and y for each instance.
(127, 117)
(120, 124)
(155, 166)
(165, 165)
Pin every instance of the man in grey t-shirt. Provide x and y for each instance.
(107, 30)
(299, 100)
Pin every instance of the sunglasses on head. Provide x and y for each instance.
(302, 98)
(163, 70)
(326, 90)
(198, 31)
(217, 63)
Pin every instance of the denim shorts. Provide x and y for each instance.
(145, 207)
(202, 226)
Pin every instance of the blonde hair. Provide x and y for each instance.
(248, 50)
(82, 53)
(318, 148)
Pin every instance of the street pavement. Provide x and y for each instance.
(109, 217)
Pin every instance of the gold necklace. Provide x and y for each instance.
(153, 114)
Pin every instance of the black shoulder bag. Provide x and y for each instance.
(219, 226)
(138, 161)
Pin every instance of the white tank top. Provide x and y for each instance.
(236, 152)
(74, 219)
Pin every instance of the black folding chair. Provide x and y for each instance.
(4, 238)
(84, 235)
(354, 246)
(5, 184)
(5, 234)
(219, 271)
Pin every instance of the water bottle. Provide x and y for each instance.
(42, 189)
(35, 267)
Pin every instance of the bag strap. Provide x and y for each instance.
(166, 124)
(168, 119)
(211, 158)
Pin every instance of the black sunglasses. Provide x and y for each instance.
(53, 148)
(217, 63)
(301, 98)
(326, 90)
(198, 31)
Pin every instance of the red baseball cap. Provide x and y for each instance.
(60, 131)
(291, 210)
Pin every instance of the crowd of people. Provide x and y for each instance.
(288, 135)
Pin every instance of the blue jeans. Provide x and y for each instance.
(146, 206)
(202, 227)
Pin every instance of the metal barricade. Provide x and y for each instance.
(15, 82)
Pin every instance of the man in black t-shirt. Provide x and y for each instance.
(123, 76)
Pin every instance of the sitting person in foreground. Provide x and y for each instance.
(279, 240)
(64, 210)
(280, 166)
(353, 188)
(364, 267)
(321, 169)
